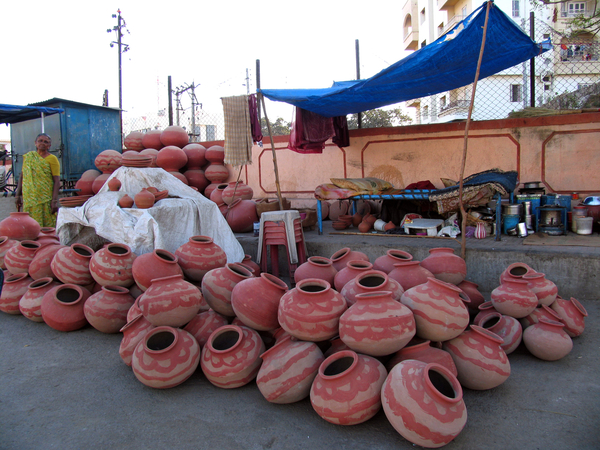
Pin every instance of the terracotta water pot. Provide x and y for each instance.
(216, 173)
(18, 258)
(144, 199)
(165, 357)
(203, 324)
(209, 189)
(347, 388)
(133, 141)
(199, 255)
(440, 312)
(445, 265)
(544, 289)
(133, 332)
(539, 312)
(506, 327)
(241, 216)
(515, 270)
(99, 181)
(350, 272)
(126, 201)
(196, 178)
(572, 314)
(547, 340)
(108, 161)
(368, 282)
(377, 324)
(514, 298)
(85, 182)
(255, 301)
(252, 265)
(19, 226)
(174, 135)
(156, 264)
(341, 257)
(218, 284)
(71, 265)
(62, 307)
(170, 301)
(311, 311)
(30, 304)
(217, 194)
(112, 265)
(196, 154)
(316, 267)
(472, 291)
(410, 274)
(479, 359)
(288, 370)
(151, 140)
(231, 357)
(153, 153)
(106, 310)
(14, 288)
(235, 190)
(424, 403)
(386, 262)
(421, 350)
(40, 266)
(215, 154)
(114, 184)
(5, 244)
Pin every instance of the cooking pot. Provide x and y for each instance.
(512, 208)
(532, 185)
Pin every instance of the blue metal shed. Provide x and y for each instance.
(78, 136)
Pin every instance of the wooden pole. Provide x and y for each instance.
(463, 213)
(262, 99)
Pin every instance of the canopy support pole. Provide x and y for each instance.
(463, 213)
(43, 126)
(262, 99)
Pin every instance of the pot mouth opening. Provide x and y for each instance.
(339, 366)
(200, 239)
(165, 255)
(441, 384)
(83, 251)
(116, 289)
(226, 340)
(68, 295)
(340, 254)
(491, 320)
(118, 249)
(320, 260)
(371, 281)
(30, 244)
(399, 254)
(518, 271)
(312, 287)
(161, 340)
(41, 283)
(359, 264)
(240, 270)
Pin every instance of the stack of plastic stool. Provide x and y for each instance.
(281, 228)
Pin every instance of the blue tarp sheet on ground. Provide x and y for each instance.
(448, 63)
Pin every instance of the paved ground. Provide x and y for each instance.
(72, 391)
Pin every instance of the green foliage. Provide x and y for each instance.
(279, 128)
(379, 118)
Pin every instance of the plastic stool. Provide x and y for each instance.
(281, 228)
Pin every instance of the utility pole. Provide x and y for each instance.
(121, 48)
(180, 90)
(357, 51)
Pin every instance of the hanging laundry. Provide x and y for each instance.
(310, 131)
(254, 119)
(238, 135)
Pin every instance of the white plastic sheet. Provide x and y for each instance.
(167, 225)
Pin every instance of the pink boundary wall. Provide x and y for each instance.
(561, 151)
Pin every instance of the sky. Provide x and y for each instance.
(62, 48)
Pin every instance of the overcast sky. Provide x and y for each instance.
(62, 48)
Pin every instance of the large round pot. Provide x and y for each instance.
(133, 141)
(112, 265)
(156, 264)
(62, 307)
(316, 267)
(347, 388)
(423, 351)
(15, 286)
(424, 403)
(506, 327)
(174, 135)
(85, 182)
(544, 289)
(539, 312)
(215, 154)
(255, 301)
(572, 314)
(350, 272)
(18, 258)
(40, 266)
(368, 282)
(241, 216)
(547, 340)
(108, 161)
(144, 199)
(196, 154)
(133, 332)
(514, 298)
(341, 257)
(377, 325)
(71, 265)
(199, 255)
(235, 190)
(20, 226)
(410, 274)
(216, 173)
(218, 284)
(196, 178)
(165, 357)
(515, 271)
(231, 357)
(288, 370)
(99, 181)
(30, 304)
(472, 291)
(203, 324)
(151, 140)
(445, 265)
(216, 195)
(386, 262)
(107, 309)
(5, 245)
(171, 158)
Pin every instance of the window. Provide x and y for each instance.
(443, 102)
(422, 15)
(425, 111)
(576, 9)
(546, 87)
(516, 8)
(516, 94)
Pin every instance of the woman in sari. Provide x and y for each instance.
(39, 183)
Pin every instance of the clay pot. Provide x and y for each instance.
(337, 209)
(547, 340)
(31, 303)
(386, 262)
(196, 156)
(5, 244)
(424, 403)
(215, 154)
(440, 312)
(108, 161)
(544, 289)
(209, 189)
(311, 311)
(364, 227)
(231, 357)
(480, 232)
(515, 270)
(14, 288)
(99, 182)
(376, 324)
(357, 219)
(107, 309)
(347, 388)
(216, 173)
(255, 301)
(156, 264)
(241, 216)
(288, 370)
(572, 314)
(217, 195)
(62, 307)
(506, 327)
(368, 282)
(165, 357)
(199, 255)
(19, 226)
(196, 178)
(253, 266)
(112, 265)
(71, 265)
(350, 272)
(421, 350)
(514, 298)
(171, 158)
(151, 140)
(472, 291)
(144, 199)
(174, 135)
(479, 359)
(170, 301)
(539, 312)
(344, 255)
(316, 267)
(445, 265)
(126, 201)
(133, 141)
(203, 324)
(47, 239)
(114, 184)
(85, 182)
(40, 266)
(18, 258)
(153, 153)
(410, 274)
(218, 284)
(235, 190)
(135, 330)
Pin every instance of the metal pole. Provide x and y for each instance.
(119, 35)
(532, 60)
(170, 97)
(359, 115)
(193, 113)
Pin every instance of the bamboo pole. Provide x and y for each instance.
(463, 213)
(262, 99)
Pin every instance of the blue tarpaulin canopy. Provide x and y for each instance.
(448, 63)
(16, 114)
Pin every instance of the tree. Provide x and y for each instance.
(379, 118)
(578, 23)
(279, 128)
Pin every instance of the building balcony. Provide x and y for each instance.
(444, 5)
(458, 108)
(451, 23)
(411, 41)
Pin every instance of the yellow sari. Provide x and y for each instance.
(38, 186)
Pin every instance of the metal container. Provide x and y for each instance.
(522, 230)
(532, 185)
(526, 208)
(512, 209)
(529, 221)
(509, 222)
